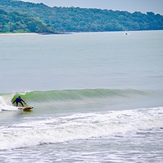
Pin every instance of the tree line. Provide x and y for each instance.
(75, 19)
(14, 22)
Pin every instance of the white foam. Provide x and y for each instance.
(5, 101)
(79, 126)
(6, 105)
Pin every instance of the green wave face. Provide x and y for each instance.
(84, 94)
(86, 99)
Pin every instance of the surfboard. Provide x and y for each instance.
(25, 108)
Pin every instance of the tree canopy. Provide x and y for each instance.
(74, 19)
(15, 22)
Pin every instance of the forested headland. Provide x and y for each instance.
(19, 16)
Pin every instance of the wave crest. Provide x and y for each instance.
(78, 94)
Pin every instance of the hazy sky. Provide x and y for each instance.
(144, 6)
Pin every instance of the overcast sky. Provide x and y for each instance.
(144, 6)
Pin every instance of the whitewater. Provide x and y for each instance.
(97, 97)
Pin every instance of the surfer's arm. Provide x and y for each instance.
(14, 101)
(23, 101)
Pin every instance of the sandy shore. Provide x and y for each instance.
(18, 34)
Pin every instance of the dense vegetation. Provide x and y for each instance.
(14, 22)
(82, 20)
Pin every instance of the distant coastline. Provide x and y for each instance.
(26, 17)
(18, 34)
(37, 34)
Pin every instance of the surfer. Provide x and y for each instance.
(19, 100)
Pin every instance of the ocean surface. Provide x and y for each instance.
(97, 97)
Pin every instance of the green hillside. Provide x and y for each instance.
(14, 22)
(72, 19)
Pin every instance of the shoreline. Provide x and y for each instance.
(32, 34)
(18, 34)
(36, 34)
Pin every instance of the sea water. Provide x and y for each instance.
(97, 97)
